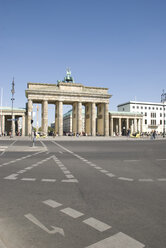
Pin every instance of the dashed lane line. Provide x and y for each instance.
(118, 240)
(126, 179)
(28, 179)
(109, 174)
(96, 224)
(18, 159)
(66, 172)
(52, 203)
(72, 212)
(48, 180)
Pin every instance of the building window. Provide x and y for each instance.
(153, 108)
(160, 108)
(145, 121)
(137, 107)
(123, 109)
(153, 122)
(145, 107)
(141, 107)
(133, 107)
(149, 107)
(145, 113)
(160, 122)
(156, 108)
(160, 114)
(153, 115)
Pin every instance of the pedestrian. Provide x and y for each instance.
(154, 134)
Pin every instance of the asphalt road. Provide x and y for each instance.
(88, 194)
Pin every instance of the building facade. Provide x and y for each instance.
(154, 114)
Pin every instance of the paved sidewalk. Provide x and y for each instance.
(83, 138)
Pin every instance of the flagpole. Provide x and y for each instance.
(12, 91)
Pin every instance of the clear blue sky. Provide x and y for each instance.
(118, 44)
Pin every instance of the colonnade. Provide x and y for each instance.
(10, 122)
(120, 125)
(96, 117)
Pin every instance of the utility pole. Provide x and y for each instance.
(12, 99)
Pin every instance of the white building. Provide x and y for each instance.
(154, 114)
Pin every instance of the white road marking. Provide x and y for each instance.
(71, 212)
(11, 177)
(98, 168)
(93, 165)
(52, 203)
(161, 179)
(21, 171)
(161, 159)
(60, 152)
(39, 224)
(126, 179)
(110, 175)
(104, 171)
(70, 176)
(48, 180)
(10, 162)
(69, 181)
(146, 180)
(132, 160)
(119, 240)
(66, 172)
(28, 179)
(96, 224)
(28, 168)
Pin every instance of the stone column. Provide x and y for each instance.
(29, 127)
(79, 118)
(106, 119)
(93, 119)
(60, 118)
(56, 119)
(138, 125)
(3, 124)
(120, 127)
(127, 123)
(45, 116)
(23, 125)
(141, 121)
(112, 123)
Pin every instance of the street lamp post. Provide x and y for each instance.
(163, 100)
(12, 99)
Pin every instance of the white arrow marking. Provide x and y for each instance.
(38, 223)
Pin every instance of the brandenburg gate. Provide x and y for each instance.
(95, 100)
